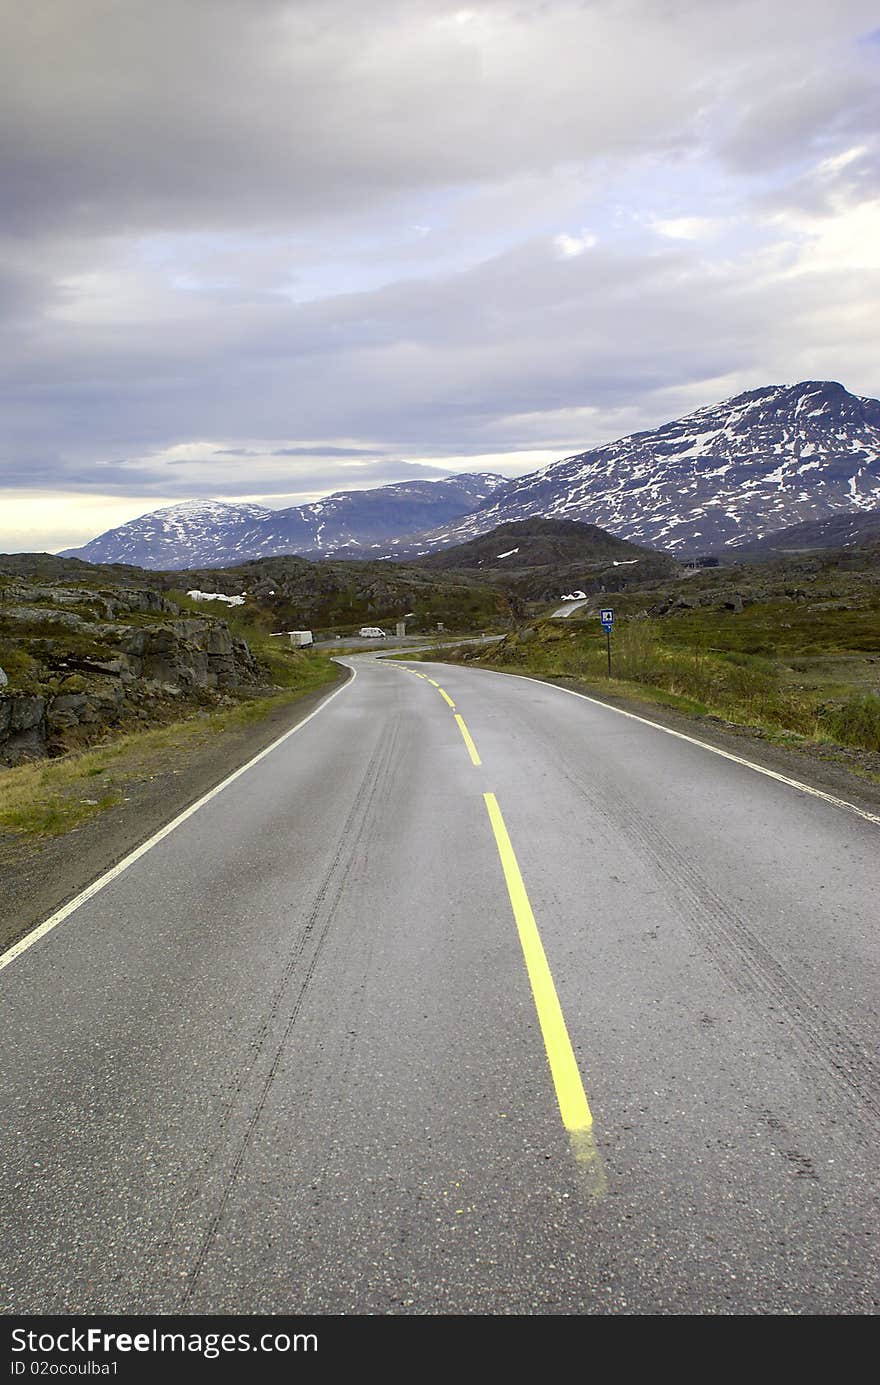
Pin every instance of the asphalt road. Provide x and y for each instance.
(292, 1059)
(354, 642)
(568, 608)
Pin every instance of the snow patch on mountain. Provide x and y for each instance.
(718, 477)
(722, 476)
(214, 533)
(170, 536)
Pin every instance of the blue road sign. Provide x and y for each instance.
(607, 619)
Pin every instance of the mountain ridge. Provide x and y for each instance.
(725, 474)
(721, 477)
(195, 533)
(836, 532)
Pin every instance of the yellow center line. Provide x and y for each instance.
(472, 749)
(573, 1105)
(570, 1095)
(434, 684)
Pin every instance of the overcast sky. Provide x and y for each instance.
(267, 249)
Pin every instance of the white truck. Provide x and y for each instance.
(371, 632)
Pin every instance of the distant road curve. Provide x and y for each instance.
(568, 608)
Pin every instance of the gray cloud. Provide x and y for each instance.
(149, 114)
(199, 477)
(444, 362)
(316, 451)
(794, 119)
(820, 193)
(327, 227)
(327, 452)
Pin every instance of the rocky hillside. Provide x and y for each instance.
(212, 533)
(858, 530)
(340, 596)
(295, 593)
(541, 559)
(727, 474)
(80, 659)
(533, 543)
(53, 567)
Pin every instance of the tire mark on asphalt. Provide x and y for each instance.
(749, 965)
(313, 933)
(825, 1038)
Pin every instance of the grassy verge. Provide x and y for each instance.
(752, 690)
(48, 797)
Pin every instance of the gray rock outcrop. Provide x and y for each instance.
(84, 660)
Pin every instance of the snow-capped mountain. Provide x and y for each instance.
(213, 533)
(724, 475)
(358, 520)
(174, 536)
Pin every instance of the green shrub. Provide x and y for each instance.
(856, 722)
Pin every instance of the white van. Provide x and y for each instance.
(372, 632)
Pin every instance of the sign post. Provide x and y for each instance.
(607, 619)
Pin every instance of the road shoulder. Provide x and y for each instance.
(40, 874)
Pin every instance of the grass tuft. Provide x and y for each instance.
(856, 722)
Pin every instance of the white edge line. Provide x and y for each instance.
(97, 885)
(692, 740)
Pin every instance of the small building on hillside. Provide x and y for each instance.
(298, 638)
